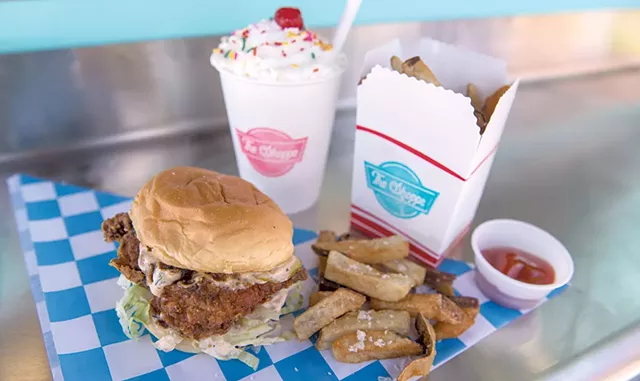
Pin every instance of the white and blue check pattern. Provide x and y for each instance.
(75, 292)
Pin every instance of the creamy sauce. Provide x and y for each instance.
(162, 278)
(146, 262)
(158, 278)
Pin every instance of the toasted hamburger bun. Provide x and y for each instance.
(201, 220)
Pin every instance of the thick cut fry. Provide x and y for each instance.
(396, 64)
(433, 306)
(327, 236)
(465, 301)
(445, 289)
(492, 101)
(414, 67)
(367, 250)
(447, 331)
(322, 264)
(427, 333)
(440, 281)
(474, 94)
(422, 367)
(408, 268)
(480, 121)
(436, 275)
(362, 346)
(396, 321)
(317, 296)
(346, 236)
(325, 311)
(365, 279)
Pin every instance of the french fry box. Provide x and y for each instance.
(420, 163)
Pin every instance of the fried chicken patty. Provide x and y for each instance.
(194, 309)
(206, 309)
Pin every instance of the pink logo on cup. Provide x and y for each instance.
(271, 152)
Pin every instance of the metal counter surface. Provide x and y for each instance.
(567, 163)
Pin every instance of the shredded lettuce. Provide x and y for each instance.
(133, 308)
(259, 328)
(294, 299)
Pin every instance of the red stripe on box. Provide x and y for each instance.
(424, 157)
(493, 150)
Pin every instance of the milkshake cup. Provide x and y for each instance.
(280, 84)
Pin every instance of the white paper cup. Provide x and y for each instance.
(519, 235)
(281, 135)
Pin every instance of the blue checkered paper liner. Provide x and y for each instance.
(75, 292)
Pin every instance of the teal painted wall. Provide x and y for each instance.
(27, 25)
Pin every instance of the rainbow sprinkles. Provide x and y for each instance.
(265, 50)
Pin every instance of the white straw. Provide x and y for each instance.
(342, 31)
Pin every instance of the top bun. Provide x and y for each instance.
(201, 220)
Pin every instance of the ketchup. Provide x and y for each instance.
(520, 265)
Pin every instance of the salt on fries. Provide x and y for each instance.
(325, 311)
(369, 251)
(422, 367)
(369, 345)
(396, 321)
(365, 279)
(408, 268)
(434, 306)
(378, 268)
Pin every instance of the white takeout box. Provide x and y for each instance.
(420, 164)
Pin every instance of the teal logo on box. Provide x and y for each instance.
(399, 190)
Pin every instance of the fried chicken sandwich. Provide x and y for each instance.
(207, 264)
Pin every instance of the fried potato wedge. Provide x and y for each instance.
(396, 321)
(474, 94)
(422, 367)
(448, 331)
(433, 306)
(465, 301)
(445, 289)
(415, 67)
(362, 346)
(347, 236)
(322, 264)
(368, 251)
(325, 311)
(440, 281)
(492, 101)
(480, 121)
(396, 64)
(427, 333)
(408, 268)
(317, 296)
(436, 275)
(365, 279)
(327, 236)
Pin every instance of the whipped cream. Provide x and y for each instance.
(265, 51)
